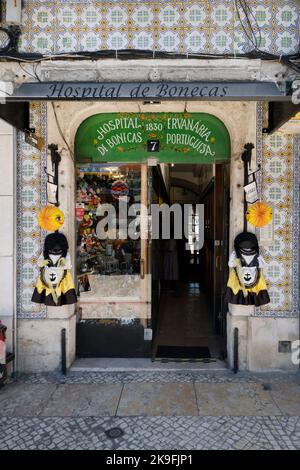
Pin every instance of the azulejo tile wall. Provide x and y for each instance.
(31, 196)
(185, 26)
(279, 156)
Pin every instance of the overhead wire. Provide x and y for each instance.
(35, 75)
(249, 24)
(127, 54)
(245, 9)
(248, 36)
(286, 59)
(257, 25)
(61, 132)
(26, 71)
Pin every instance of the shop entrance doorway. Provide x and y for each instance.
(127, 305)
(188, 284)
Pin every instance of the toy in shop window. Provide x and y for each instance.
(119, 189)
(83, 283)
(55, 285)
(119, 252)
(86, 225)
(246, 284)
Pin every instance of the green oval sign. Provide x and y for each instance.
(169, 137)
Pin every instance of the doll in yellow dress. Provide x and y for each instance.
(55, 285)
(246, 284)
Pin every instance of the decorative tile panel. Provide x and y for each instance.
(30, 197)
(279, 156)
(183, 26)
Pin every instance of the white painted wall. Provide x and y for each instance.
(39, 343)
(264, 336)
(7, 229)
(259, 340)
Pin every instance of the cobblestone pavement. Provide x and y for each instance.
(154, 433)
(154, 410)
(155, 376)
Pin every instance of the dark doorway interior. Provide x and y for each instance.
(188, 311)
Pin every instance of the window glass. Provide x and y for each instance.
(106, 243)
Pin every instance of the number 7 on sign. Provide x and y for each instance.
(153, 146)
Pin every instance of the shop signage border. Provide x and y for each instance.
(136, 137)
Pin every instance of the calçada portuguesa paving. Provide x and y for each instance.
(175, 410)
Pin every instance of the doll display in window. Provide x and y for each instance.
(55, 285)
(246, 284)
(98, 255)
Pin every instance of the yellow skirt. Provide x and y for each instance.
(63, 294)
(256, 295)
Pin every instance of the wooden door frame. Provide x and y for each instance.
(221, 248)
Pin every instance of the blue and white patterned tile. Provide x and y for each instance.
(116, 17)
(31, 196)
(195, 41)
(275, 193)
(42, 43)
(30, 249)
(117, 41)
(277, 249)
(29, 170)
(221, 15)
(169, 41)
(277, 297)
(279, 184)
(262, 15)
(287, 42)
(142, 40)
(67, 15)
(91, 16)
(169, 15)
(67, 42)
(221, 42)
(142, 16)
(195, 15)
(42, 17)
(288, 15)
(276, 167)
(275, 142)
(90, 41)
(274, 271)
(275, 24)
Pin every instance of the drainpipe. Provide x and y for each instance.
(246, 158)
(63, 352)
(235, 350)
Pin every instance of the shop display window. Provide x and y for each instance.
(106, 249)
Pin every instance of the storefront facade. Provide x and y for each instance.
(124, 302)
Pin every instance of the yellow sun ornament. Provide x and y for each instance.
(51, 218)
(259, 214)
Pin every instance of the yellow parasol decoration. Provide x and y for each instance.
(259, 214)
(51, 218)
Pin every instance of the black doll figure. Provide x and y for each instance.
(246, 284)
(55, 285)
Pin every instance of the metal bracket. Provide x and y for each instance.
(55, 160)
